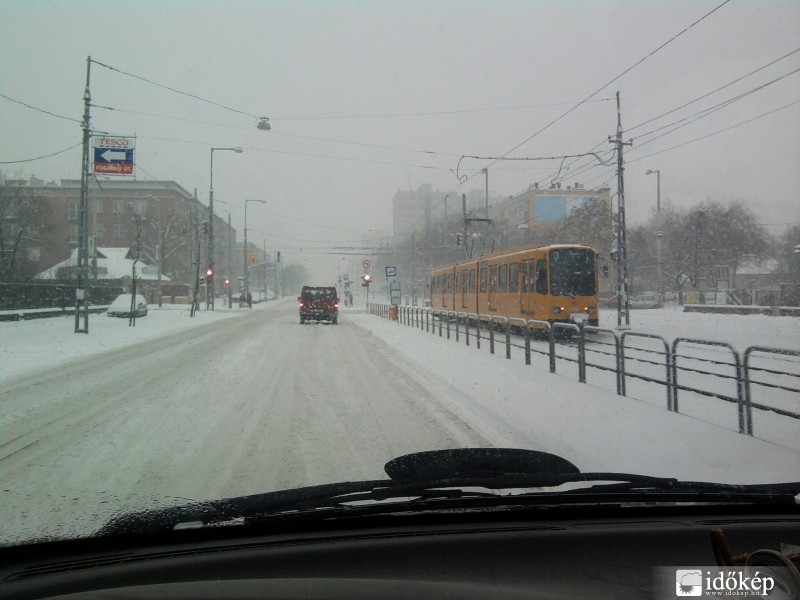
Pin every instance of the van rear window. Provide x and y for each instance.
(320, 293)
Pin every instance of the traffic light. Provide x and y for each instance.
(366, 278)
(227, 282)
(209, 275)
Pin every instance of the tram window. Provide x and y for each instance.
(458, 282)
(541, 276)
(503, 279)
(471, 280)
(483, 280)
(448, 284)
(464, 276)
(493, 279)
(513, 277)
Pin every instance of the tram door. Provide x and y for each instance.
(539, 287)
(526, 289)
(493, 288)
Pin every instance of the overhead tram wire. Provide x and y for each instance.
(638, 158)
(305, 154)
(714, 91)
(680, 123)
(623, 73)
(588, 98)
(175, 90)
(708, 111)
(278, 133)
(431, 113)
(785, 106)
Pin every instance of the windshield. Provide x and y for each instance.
(572, 273)
(614, 184)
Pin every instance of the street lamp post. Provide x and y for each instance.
(659, 233)
(159, 248)
(210, 280)
(244, 247)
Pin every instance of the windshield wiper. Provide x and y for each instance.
(525, 475)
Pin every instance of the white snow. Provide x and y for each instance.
(240, 401)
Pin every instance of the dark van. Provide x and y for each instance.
(319, 304)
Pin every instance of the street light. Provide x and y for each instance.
(159, 248)
(244, 247)
(659, 234)
(210, 285)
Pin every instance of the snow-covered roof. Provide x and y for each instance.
(112, 263)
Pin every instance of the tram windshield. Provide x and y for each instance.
(572, 272)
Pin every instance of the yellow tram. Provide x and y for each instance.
(555, 283)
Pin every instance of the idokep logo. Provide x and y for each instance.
(723, 582)
(688, 582)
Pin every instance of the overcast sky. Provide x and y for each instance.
(366, 98)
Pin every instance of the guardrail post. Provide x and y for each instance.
(508, 339)
(527, 345)
(491, 336)
(551, 338)
(581, 355)
(478, 331)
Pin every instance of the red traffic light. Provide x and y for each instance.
(209, 272)
(227, 282)
(367, 277)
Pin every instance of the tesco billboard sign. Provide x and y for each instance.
(114, 155)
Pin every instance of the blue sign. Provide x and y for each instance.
(113, 155)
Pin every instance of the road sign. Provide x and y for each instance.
(114, 155)
(394, 293)
(366, 264)
(391, 272)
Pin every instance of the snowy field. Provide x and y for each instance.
(243, 401)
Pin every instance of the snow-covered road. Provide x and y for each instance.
(251, 401)
(238, 406)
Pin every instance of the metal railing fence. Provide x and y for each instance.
(621, 358)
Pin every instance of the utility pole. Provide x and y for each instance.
(467, 252)
(486, 173)
(230, 264)
(464, 216)
(444, 241)
(623, 300)
(81, 301)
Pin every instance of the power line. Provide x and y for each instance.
(275, 133)
(172, 89)
(718, 131)
(25, 160)
(41, 110)
(683, 122)
(305, 154)
(708, 111)
(431, 113)
(714, 91)
(638, 158)
(626, 71)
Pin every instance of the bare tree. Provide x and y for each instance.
(19, 229)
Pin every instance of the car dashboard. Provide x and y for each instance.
(591, 553)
